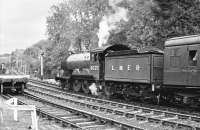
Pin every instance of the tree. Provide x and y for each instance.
(76, 21)
(176, 18)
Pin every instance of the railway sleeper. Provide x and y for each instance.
(82, 124)
(168, 121)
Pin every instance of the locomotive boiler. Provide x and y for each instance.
(75, 73)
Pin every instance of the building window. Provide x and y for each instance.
(193, 57)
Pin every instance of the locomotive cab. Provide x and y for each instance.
(97, 63)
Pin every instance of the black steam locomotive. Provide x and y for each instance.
(172, 75)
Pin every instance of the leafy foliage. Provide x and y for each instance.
(138, 31)
(176, 18)
(75, 21)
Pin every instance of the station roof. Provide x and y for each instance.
(185, 40)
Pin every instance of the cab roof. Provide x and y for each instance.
(115, 47)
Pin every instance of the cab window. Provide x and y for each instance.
(94, 57)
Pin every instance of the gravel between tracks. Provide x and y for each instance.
(142, 123)
(104, 115)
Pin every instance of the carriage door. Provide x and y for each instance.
(175, 65)
(194, 65)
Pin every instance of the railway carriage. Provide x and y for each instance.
(182, 69)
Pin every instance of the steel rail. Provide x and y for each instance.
(146, 115)
(114, 103)
(44, 113)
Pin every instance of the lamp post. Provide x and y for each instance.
(41, 65)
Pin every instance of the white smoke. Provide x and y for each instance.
(109, 22)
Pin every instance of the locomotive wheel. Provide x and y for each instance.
(85, 87)
(67, 86)
(128, 93)
(64, 85)
(76, 86)
(20, 90)
(107, 91)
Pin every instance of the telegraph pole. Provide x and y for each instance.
(41, 63)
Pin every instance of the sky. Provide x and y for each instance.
(23, 23)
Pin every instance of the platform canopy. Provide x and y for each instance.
(16, 78)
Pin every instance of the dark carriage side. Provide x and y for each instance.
(134, 74)
(182, 70)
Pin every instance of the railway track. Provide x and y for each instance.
(136, 103)
(124, 115)
(68, 118)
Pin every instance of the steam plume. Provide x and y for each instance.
(108, 22)
(93, 89)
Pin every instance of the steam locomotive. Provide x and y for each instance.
(172, 75)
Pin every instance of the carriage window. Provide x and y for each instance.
(193, 57)
(175, 61)
(174, 58)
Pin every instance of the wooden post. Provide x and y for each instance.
(22, 90)
(42, 65)
(1, 88)
(1, 115)
(15, 110)
(34, 119)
